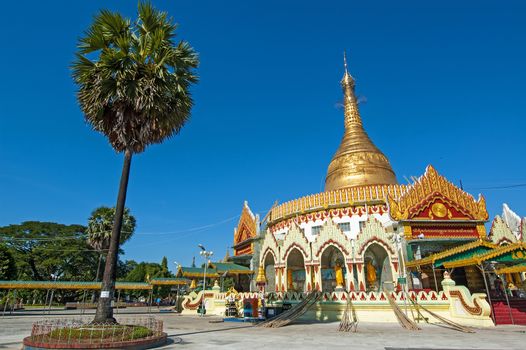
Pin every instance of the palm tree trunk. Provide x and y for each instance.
(104, 311)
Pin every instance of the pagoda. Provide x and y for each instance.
(355, 235)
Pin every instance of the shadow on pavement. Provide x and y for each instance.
(208, 331)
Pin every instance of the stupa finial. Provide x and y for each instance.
(345, 62)
(357, 162)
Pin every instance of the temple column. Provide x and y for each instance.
(280, 287)
(308, 278)
(361, 276)
(349, 278)
(277, 279)
(317, 277)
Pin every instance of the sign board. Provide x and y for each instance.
(105, 294)
(402, 280)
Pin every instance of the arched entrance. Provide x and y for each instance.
(295, 271)
(377, 267)
(270, 273)
(332, 269)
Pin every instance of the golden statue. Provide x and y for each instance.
(371, 273)
(338, 271)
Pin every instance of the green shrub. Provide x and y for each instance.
(96, 333)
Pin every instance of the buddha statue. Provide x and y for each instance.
(338, 272)
(371, 273)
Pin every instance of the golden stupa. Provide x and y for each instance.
(357, 162)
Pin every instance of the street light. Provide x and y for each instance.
(206, 255)
(178, 286)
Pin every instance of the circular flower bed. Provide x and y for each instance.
(139, 333)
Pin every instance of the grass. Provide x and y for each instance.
(95, 334)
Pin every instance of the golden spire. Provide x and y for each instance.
(357, 162)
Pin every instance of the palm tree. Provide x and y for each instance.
(100, 224)
(133, 86)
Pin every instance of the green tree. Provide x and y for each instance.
(228, 282)
(164, 267)
(133, 81)
(100, 224)
(124, 268)
(42, 249)
(7, 264)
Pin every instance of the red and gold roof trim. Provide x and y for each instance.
(433, 197)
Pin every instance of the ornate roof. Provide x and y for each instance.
(342, 198)
(247, 229)
(471, 246)
(500, 232)
(440, 199)
(512, 252)
(169, 281)
(214, 270)
(357, 162)
(71, 285)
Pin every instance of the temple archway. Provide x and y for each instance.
(332, 269)
(377, 267)
(270, 272)
(295, 271)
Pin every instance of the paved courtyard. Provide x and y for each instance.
(191, 332)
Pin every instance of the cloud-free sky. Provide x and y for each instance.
(441, 83)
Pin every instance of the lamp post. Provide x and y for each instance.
(397, 240)
(206, 255)
(178, 286)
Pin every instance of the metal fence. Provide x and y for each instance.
(84, 331)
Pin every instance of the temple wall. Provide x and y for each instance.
(353, 247)
(455, 303)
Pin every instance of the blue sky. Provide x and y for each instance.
(443, 84)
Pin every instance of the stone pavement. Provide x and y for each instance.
(192, 332)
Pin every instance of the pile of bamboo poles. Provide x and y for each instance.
(454, 325)
(294, 313)
(402, 318)
(349, 321)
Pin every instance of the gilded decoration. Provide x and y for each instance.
(247, 228)
(342, 198)
(500, 232)
(432, 187)
(440, 210)
(357, 162)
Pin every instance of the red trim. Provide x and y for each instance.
(300, 248)
(333, 243)
(375, 240)
(269, 249)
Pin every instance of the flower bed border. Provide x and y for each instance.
(136, 344)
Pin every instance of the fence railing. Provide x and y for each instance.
(84, 331)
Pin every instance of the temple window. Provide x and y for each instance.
(345, 227)
(315, 230)
(361, 225)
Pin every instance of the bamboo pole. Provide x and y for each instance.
(508, 302)
(481, 267)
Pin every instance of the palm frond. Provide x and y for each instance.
(136, 90)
